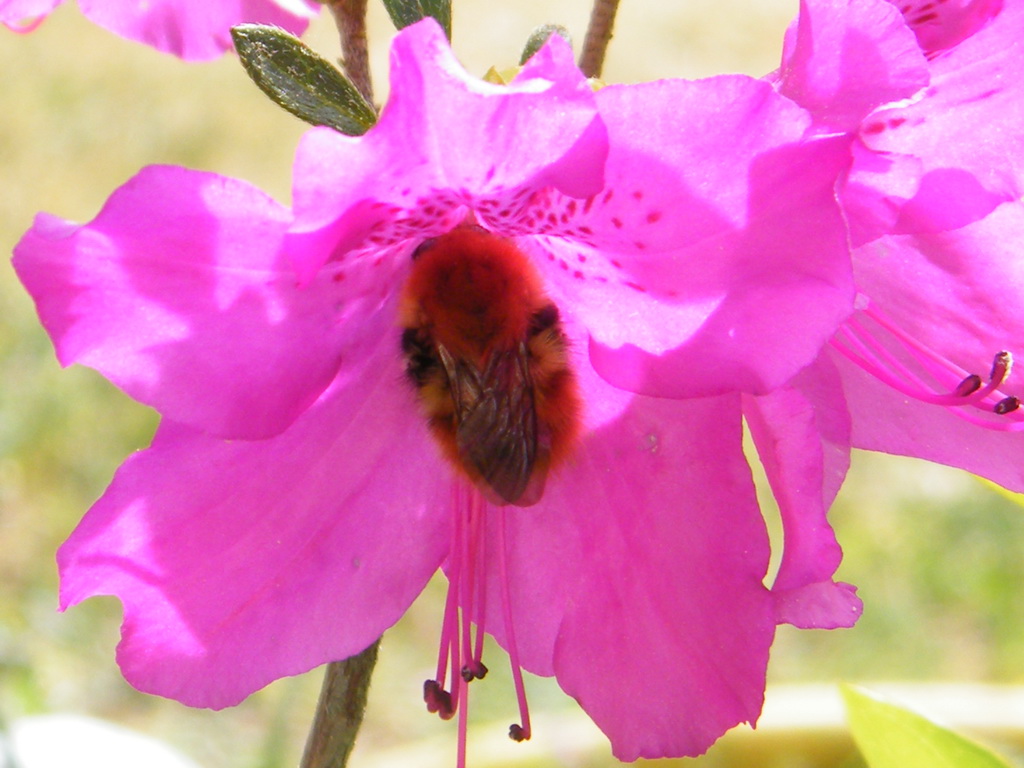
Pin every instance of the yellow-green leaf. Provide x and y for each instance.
(889, 736)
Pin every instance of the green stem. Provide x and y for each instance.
(339, 712)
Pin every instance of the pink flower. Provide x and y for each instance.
(194, 30)
(293, 502)
(933, 200)
(934, 106)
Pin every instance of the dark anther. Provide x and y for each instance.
(475, 670)
(515, 732)
(1007, 405)
(426, 245)
(969, 385)
(437, 699)
(1001, 366)
(431, 694)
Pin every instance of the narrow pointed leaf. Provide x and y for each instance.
(406, 12)
(296, 78)
(891, 737)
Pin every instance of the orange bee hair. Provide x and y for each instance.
(484, 346)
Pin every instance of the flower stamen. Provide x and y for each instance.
(517, 731)
(908, 372)
(475, 592)
(1006, 405)
(438, 700)
(460, 657)
(969, 385)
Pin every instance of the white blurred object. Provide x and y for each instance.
(74, 741)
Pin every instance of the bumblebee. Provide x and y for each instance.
(485, 350)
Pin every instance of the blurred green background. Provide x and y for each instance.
(936, 554)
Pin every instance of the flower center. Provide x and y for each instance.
(897, 359)
(460, 655)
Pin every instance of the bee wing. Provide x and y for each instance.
(496, 430)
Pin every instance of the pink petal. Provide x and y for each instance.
(177, 292)
(802, 434)
(445, 140)
(844, 58)
(194, 30)
(637, 579)
(943, 25)
(967, 129)
(958, 294)
(667, 626)
(241, 562)
(25, 15)
(716, 258)
(875, 190)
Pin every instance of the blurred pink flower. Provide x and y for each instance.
(193, 30)
(292, 503)
(932, 197)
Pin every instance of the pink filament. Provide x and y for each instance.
(883, 365)
(460, 657)
(450, 621)
(520, 731)
(467, 582)
(480, 609)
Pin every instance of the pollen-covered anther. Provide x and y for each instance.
(516, 732)
(474, 670)
(1001, 366)
(1006, 405)
(438, 700)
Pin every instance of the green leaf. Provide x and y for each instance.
(296, 78)
(891, 737)
(406, 12)
(539, 36)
